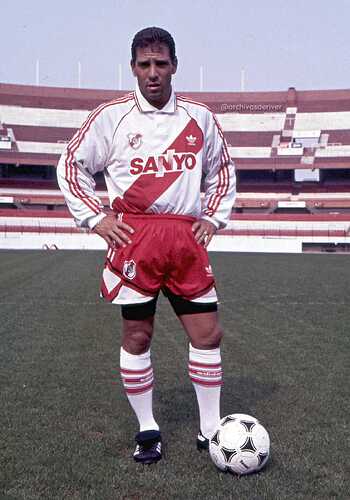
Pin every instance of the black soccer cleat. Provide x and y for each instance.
(148, 448)
(202, 442)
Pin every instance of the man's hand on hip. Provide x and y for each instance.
(113, 231)
(203, 231)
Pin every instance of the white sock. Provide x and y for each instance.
(205, 372)
(137, 377)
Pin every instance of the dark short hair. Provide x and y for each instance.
(147, 36)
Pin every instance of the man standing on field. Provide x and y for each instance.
(154, 147)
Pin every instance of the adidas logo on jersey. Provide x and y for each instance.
(191, 140)
(161, 164)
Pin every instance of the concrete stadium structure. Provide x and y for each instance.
(291, 150)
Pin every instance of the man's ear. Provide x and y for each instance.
(174, 66)
(132, 64)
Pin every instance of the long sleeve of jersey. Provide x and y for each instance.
(86, 154)
(220, 177)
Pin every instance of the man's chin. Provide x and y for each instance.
(154, 93)
(154, 98)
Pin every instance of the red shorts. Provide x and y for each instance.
(163, 254)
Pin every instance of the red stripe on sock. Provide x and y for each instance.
(139, 390)
(204, 365)
(140, 380)
(207, 383)
(203, 373)
(134, 372)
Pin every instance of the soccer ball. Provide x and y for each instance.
(241, 444)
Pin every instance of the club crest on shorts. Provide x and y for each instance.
(129, 269)
(135, 140)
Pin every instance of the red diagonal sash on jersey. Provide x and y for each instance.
(149, 187)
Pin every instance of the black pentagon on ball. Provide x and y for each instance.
(228, 454)
(227, 419)
(215, 438)
(248, 445)
(262, 459)
(248, 425)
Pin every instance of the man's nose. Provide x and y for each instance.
(153, 74)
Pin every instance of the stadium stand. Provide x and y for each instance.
(291, 150)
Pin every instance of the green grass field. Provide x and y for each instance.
(67, 432)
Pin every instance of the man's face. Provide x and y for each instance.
(153, 69)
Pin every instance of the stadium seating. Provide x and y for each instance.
(291, 150)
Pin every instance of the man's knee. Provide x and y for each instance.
(211, 339)
(137, 335)
(208, 337)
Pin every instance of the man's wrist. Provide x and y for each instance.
(212, 221)
(95, 219)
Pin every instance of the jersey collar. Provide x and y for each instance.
(145, 107)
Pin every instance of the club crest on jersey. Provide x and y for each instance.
(135, 140)
(129, 269)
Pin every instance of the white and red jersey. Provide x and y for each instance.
(153, 161)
